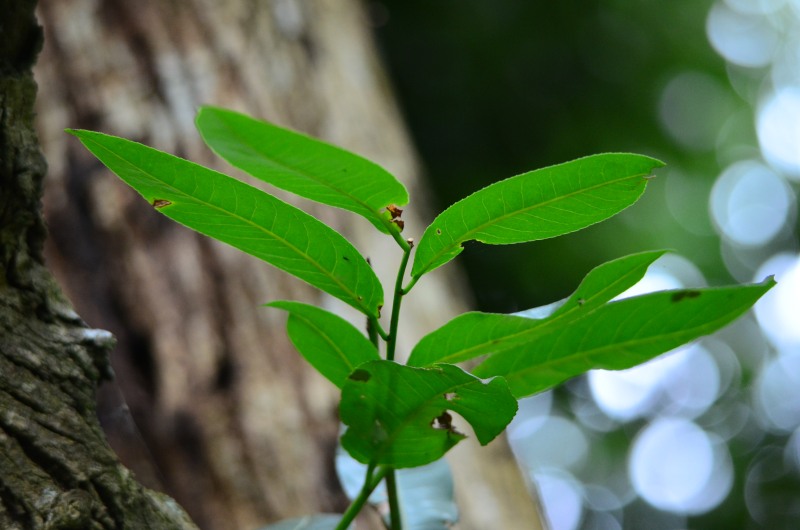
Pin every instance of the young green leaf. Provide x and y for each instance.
(397, 415)
(303, 165)
(473, 334)
(242, 216)
(537, 205)
(620, 335)
(328, 342)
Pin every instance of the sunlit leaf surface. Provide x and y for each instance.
(474, 334)
(303, 165)
(620, 335)
(242, 216)
(537, 205)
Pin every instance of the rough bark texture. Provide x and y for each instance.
(223, 415)
(56, 469)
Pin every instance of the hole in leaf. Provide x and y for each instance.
(443, 422)
(450, 396)
(581, 301)
(438, 231)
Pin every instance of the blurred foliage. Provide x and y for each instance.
(493, 89)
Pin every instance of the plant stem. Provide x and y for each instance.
(370, 483)
(395, 519)
(404, 244)
(374, 329)
(391, 342)
(411, 284)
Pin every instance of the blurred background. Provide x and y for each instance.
(707, 437)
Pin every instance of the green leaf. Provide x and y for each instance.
(537, 205)
(397, 415)
(328, 342)
(242, 216)
(303, 165)
(473, 334)
(620, 335)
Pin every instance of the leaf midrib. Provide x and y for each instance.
(550, 364)
(375, 214)
(297, 251)
(543, 323)
(494, 220)
(326, 337)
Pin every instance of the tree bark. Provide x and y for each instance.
(56, 469)
(218, 409)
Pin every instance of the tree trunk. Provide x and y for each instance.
(56, 469)
(218, 409)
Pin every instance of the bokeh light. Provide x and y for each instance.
(743, 38)
(779, 129)
(693, 108)
(562, 498)
(776, 397)
(677, 466)
(778, 312)
(751, 203)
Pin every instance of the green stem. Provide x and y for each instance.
(391, 342)
(370, 483)
(411, 284)
(404, 244)
(395, 520)
(374, 329)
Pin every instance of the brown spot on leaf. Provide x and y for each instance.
(438, 231)
(680, 295)
(360, 375)
(400, 223)
(160, 203)
(394, 211)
